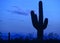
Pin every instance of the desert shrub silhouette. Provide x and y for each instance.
(39, 24)
(53, 36)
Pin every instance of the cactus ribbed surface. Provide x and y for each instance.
(40, 25)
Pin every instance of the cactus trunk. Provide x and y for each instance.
(40, 35)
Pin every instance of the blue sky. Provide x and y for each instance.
(21, 23)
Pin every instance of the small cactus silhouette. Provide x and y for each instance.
(9, 36)
(39, 24)
(0, 36)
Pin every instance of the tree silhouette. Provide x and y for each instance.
(39, 25)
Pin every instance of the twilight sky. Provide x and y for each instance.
(12, 21)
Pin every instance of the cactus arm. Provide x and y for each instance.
(40, 13)
(45, 23)
(34, 19)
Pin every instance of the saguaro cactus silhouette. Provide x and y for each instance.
(39, 24)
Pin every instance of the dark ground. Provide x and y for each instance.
(29, 41)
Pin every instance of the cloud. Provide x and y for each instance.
(17, 11)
